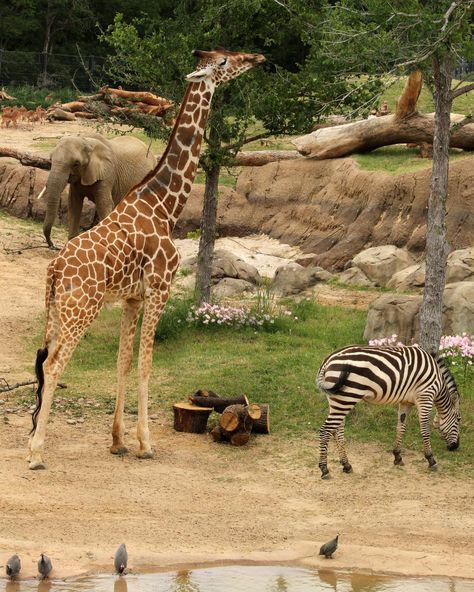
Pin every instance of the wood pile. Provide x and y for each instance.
(238, 418)
(113, 101)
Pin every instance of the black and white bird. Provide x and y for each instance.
(328, 548)
(44, 565)
(121, 559)
(13, 567)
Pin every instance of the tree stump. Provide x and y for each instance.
(190, 418)
(262, 425)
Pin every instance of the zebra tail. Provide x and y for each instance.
(340, 382)
(41, 356)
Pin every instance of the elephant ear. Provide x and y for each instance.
(100, 161)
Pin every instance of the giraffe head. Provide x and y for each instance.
(220, 65)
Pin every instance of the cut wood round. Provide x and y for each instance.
(254, 411)
(262, 425)
(240, 438)
(236, 417)
(190, 418)
(217, 433)
(217, 403)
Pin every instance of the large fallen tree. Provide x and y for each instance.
(403, 127)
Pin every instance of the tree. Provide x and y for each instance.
(387, 37)
(283, 97)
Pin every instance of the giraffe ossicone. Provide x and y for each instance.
(129, 256)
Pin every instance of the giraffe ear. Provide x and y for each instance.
(99, 162)
(199, 74)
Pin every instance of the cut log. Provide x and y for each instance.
(85, 115)
(254, 411)
(218, 434)
(235, 417)
(27, 158)
(240, 438)
(405, 126)
(218, 404)
(190, 418)
(130, 95)
(73, 106)
(262, 425)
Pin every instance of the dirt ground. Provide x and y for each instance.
(201, 502)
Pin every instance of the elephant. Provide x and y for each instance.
(102, 170)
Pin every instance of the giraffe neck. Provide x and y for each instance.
(169, 184)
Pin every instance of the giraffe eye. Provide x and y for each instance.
(222, 62)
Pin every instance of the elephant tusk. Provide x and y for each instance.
(41, 193)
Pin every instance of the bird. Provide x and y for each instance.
(44, 565)
(121, 558)
(13, 566)
(328, 548)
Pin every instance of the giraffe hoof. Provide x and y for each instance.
(119, 450)
(37, 466)
(145, 454)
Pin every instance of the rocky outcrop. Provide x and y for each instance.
(380, 263)
(399, 313)
(294, 278)
(227, 265)
(335, 210)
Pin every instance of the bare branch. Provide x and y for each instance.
(462, 90)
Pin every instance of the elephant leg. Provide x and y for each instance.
(76, 201)
(103, 202)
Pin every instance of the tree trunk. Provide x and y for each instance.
(208, 227)
(437, 249)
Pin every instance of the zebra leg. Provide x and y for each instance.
(403, 411)
(424, 406)
(341, 446)
(339, 407)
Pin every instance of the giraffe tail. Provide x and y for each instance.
(41, 356)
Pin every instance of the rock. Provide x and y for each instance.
(410, 278)
(460, 265)
(380, 263)
(226, 264)
(353, 276)
(60, 115)
(230, 287)
(399, 313)
(71, 421)
(293, 278)
(458, 308)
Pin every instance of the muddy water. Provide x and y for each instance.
(243, 579)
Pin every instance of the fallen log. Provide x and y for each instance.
(190, 418)
(136, 96)
(405, 126)
(85, 115)
(262, 157)
(218, 404)
(237, 417)
(27, 158)
(74, 106)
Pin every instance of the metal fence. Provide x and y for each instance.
(50, 71)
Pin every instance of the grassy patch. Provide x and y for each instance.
(278, 368)
(399, 159)
(32, 97)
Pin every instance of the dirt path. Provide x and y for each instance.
(198, 501)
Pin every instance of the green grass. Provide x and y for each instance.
(399, 159)
(278, 368)
(32, 97)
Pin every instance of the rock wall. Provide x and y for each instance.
(335, 210)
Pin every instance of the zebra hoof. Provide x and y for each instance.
(347, 468)
(434, 467)
(398, 462)
(326, 476)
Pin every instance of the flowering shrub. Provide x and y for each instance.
(214, 314)
(392, 340)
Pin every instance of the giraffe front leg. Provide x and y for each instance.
(154, 304)
(424, 406)
(403, 411)
(130, 313)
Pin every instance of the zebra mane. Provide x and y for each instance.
(448, 378)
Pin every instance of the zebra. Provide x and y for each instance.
(403, 375)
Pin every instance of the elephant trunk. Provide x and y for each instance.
(57, 180)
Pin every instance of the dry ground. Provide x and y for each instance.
(198, 501)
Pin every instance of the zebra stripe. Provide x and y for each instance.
(406, 376)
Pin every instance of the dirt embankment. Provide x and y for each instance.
(334, 209)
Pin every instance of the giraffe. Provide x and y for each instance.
(129, 256)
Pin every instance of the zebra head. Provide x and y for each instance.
(448, 416)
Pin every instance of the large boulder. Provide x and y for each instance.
(355, 277)
(232, 287)
(410, 278)
(394, 314)
(399, 313)
(227, 265)
(380, 263)
(460, 265)
(293, 278)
